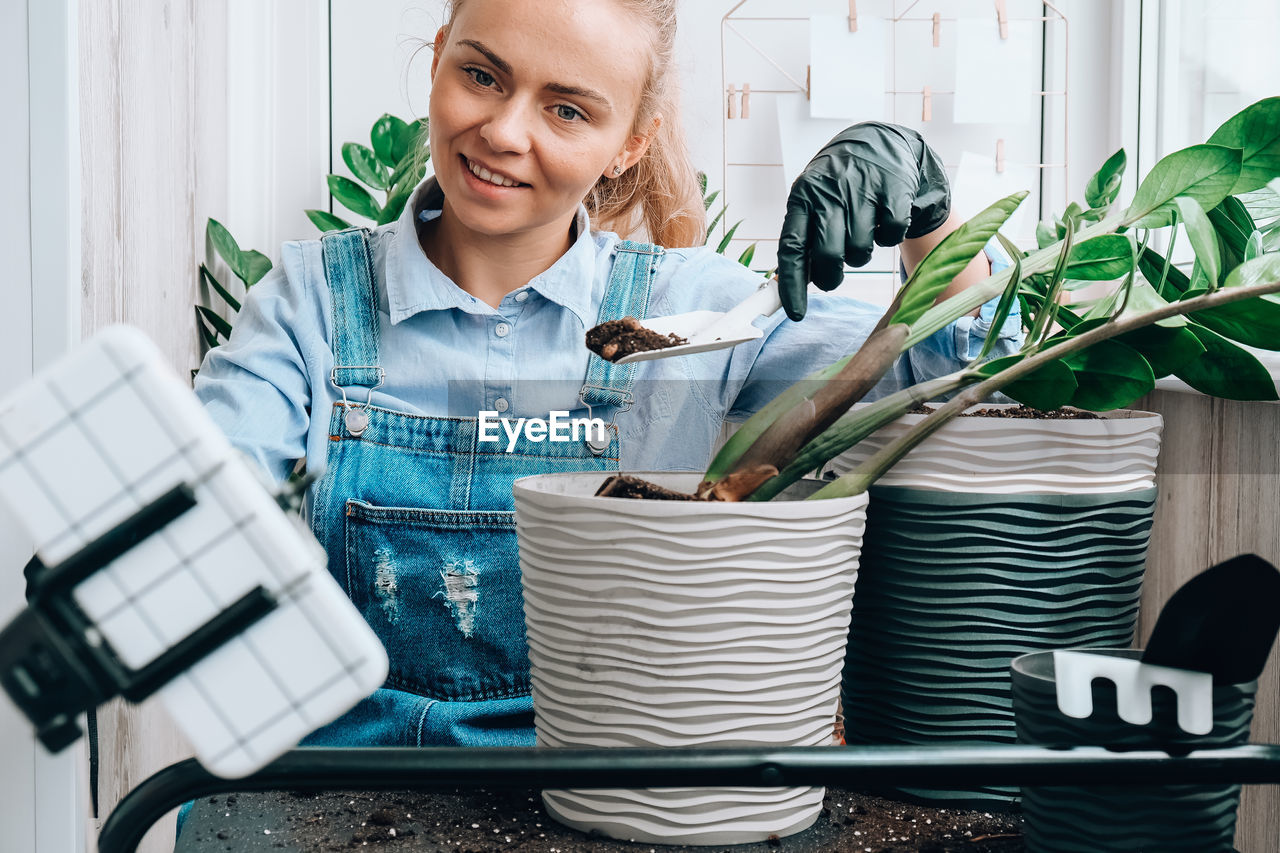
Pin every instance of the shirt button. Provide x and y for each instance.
(522, 296)
(501, 330)
(500, 404)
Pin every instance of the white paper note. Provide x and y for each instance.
(800, 136)
(847, 70)
(977, 185)
(997, 80)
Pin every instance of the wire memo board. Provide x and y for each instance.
(765, 69)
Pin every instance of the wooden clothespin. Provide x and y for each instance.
(733, 103)
(926, 109)
(746, 100)
(808, 82)
(853, 16)
(999, 156)
(937, 29)
(1002, 16)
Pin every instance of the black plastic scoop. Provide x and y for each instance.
(1223, 621)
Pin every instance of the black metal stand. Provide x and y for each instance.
(320, 769)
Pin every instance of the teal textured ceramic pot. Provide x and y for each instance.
(1167, 818)
(954, 586)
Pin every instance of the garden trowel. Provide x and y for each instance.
(711, 330)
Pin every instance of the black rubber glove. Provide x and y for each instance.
(874, 182)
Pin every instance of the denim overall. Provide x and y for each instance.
(417, 519)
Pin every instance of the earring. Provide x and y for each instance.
(617, 170)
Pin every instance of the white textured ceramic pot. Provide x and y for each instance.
(672, 624)
(1008, 456)
(995, 537)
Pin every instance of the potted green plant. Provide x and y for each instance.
(1156, 323)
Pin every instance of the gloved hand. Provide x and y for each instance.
(874, 181)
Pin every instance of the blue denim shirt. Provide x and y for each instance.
(447, 353)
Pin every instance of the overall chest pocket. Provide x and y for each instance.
(441, 588)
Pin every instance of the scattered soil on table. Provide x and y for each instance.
(478, 821)
(617, 338)
(626, 486)
(1019, 412)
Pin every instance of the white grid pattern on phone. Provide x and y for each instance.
(259, 693)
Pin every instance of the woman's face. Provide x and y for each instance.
(531, 102)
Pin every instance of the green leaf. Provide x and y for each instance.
(728, 236)
(1204, 239)
(1046, 235)
(1227, 371)
(949, 258)
(223, 243)
(389, 136)
(709, 200)
(395, 204)
(702, 183)
(1166, 349)
(1103, 258)
(1252, 322)
(353, 196)
(1255, 130)
(1040, 328)
(1047, 388)
(1205, 173)
(714, 222)
(1263, 204)
(364, 164)
(208, 335)
(1109, 375)
(218, 288)
(219, 324)
(1007, 299)
(1254, 248)
(326, 221)
(1104, 186)
(747, 254)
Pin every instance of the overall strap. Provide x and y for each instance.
(627, 295)
(348, 268)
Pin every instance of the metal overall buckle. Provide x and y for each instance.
(355, 418)
(598, 446)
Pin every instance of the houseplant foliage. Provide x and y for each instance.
(1098, 355)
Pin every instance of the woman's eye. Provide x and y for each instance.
(482, 77)
(567, 113)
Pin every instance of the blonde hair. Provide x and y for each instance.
(660, 194)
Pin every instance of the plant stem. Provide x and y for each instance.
(868, 472)
(857, 425)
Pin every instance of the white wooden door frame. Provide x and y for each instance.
(43, 808)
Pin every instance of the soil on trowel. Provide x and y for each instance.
(478, 821)
(1019, 412)
(626, 486)
(618, 338)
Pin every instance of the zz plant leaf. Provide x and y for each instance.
(1104, 186)
(1205, 173)
(1255, 130)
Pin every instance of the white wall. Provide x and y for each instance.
(41, 807)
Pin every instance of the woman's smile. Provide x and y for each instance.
(489, 179)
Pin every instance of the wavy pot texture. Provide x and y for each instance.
(994, 538)
(658, 624)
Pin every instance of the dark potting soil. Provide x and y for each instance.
(627, 486)
(617, 338)
(478, 821)
(1019, 412)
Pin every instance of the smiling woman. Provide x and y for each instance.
(383, 355)
(521, 135)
